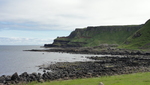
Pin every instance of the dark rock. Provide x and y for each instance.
(39, 74)
(2, 79)
(35, 74)
(15, 76)
(25, 74)
(33, 77)
(44, 70)
(137, 34)
(8, 78)
(45, 76)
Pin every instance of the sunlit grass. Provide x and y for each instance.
(129, 79)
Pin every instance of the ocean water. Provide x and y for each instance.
(14, 59)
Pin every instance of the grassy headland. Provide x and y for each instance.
(95, 36)
(135, 37)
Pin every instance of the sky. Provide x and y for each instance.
(38, 22)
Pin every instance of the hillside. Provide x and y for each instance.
(140, 39)
(95, 36)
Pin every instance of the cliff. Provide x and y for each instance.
(95, 36)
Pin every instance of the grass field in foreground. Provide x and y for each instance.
(129, 79)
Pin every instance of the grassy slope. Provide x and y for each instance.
(103, 35)
(130, 79)
(107, 37)
(141, 42)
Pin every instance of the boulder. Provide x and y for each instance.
(2, 79)
(8, 78)
(25, 74)
(35, 74)
(41, 80)
(15, 76)
(101, 83)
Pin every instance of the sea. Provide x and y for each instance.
(13, 59)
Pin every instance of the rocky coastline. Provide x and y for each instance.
(121, 61)
(98, 66)
(102, 49)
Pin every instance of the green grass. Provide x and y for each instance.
(141, 42)
(128, 79)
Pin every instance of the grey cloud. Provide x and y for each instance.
(69, 14)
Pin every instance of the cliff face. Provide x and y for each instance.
(94, 36)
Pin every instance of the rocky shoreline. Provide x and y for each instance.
(101, 66)
(102, 49)
(120, 62)
(98, 66)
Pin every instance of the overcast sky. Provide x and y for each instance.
(36, 22)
